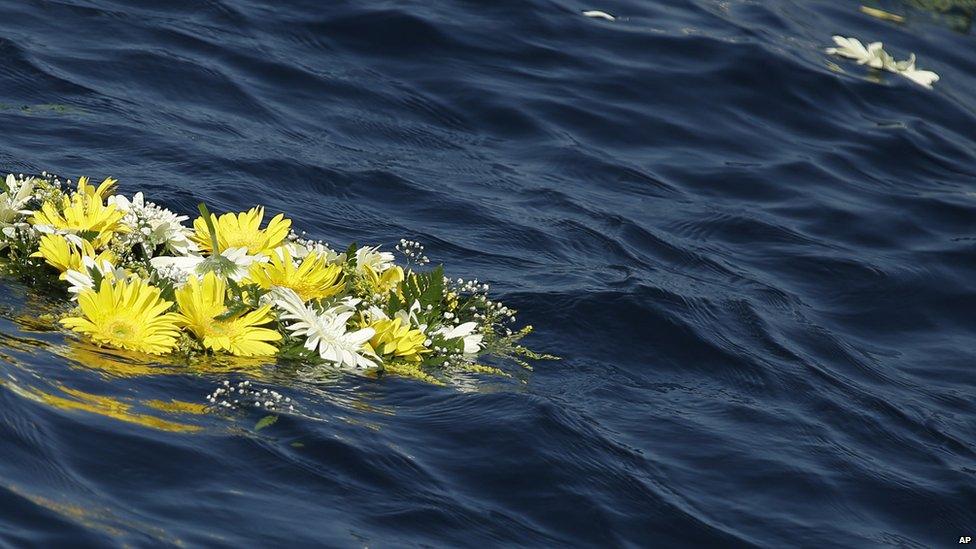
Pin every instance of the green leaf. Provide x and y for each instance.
(427, 288)
(351, 255)
(266, 421)
(88, 235)
(96, 277)
(235, 288)
(394, 304)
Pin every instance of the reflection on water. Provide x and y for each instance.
(106, 406)
(755, 271)
(111, 363)
(93, 516)
(35, 358)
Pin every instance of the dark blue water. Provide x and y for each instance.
(759, 271)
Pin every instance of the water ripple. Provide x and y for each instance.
(755, 261)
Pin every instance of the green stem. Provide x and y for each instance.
(210, 226)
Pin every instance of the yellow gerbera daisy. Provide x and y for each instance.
(126, 314)
(63, 255)
(104, 189)
(201, 302)
(383, 283)
(243, 230)
(313, 279)
(82, 213)
(395, 338)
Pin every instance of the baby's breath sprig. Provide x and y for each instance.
(244, 395)
(412, 251)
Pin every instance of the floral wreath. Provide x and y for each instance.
(141, 281)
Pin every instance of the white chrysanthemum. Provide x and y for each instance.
(325, 332)
(12, 203)
(370, 256)
(466, 331)
(152, 225)
(79, 281)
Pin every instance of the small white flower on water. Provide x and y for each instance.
(907, 69)
(597, 14)
(876, 57)
(852, 48)
(325, 332)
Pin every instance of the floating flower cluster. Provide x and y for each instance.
(236, 284)
(874, 56)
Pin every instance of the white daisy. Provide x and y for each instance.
(325, 332)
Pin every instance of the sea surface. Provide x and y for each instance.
(757, 262)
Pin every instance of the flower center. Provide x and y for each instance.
(121, 329)
(221, 329)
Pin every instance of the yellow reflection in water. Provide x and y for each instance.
(106, 406)
(176, 407)
(127, 364)
(113, 363)
(93, 517)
